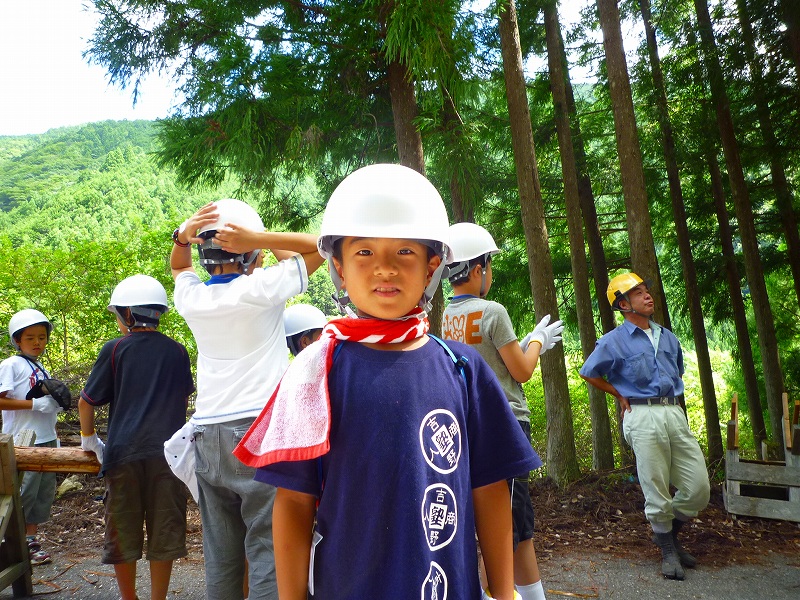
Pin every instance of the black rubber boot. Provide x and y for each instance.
(670, 563)
(687, 560)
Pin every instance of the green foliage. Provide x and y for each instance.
(282, 99)
(97, 214)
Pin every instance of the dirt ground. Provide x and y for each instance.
(597, 516)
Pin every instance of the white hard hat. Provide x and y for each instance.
(144, 296)
(386, 201)
(302, 317)
(236, 212)
(24, 319)
(139, 290)
(469, 241)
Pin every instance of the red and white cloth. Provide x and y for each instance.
(296, 421)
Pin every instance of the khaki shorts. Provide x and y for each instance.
(144, 492)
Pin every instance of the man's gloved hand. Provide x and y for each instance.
(45, 404)
(547, 334)
(53, 387)
(92, 443)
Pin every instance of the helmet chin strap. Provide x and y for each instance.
(427, 298)
(342, 299)
(629, 310)
(486, 259)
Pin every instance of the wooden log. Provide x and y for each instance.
(56, 460)
(733, 424)
(787, 434)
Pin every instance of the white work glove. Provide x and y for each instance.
(546, 333)
(46, 404)
(92, 443)
(525, 341)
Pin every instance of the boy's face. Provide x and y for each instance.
(33, 340)
(385, 277)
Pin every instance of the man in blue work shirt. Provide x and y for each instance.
(641, 364)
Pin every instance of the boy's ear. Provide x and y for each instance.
(433, 264)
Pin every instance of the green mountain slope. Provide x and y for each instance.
(95, 181)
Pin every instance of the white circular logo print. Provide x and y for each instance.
(435, 585)
(440, 439)
(439, 515)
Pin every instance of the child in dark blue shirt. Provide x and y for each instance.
(385, 451)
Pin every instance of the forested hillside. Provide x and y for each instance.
(659, 137)
(81, 208)
(93, 182)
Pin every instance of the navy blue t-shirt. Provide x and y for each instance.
(146, 378)
(410, 439)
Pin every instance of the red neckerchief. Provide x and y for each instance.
(296, 421)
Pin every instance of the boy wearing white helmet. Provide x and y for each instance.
(29, 331)
(145, 378)
(236, 318)
(486, 326)
(381, 439)
(302, 325)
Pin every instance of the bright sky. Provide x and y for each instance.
(46, 81)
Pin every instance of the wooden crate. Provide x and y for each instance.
(766, 489)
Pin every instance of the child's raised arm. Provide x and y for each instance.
(292, 523)
(496, 537)
(238, 239)
(521, 358)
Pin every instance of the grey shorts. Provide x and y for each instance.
(37, 492)
(144, 491)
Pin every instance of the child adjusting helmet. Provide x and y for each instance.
(230, 211)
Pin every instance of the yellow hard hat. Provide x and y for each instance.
(621, 285)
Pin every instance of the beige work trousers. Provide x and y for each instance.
(666, 452)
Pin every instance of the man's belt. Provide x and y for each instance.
(657, 400)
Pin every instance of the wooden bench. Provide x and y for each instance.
(766, 489)
(15, 564)
(21, 455)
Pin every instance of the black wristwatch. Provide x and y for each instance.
(177, 241)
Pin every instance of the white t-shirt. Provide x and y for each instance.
(17, 376)
(238, 327)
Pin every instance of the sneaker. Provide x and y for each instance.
(33, 544)
(40, 557)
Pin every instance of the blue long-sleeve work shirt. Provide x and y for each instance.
(628, 360)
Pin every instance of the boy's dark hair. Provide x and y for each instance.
(463, 275)
(293, 341)
(130, 316)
